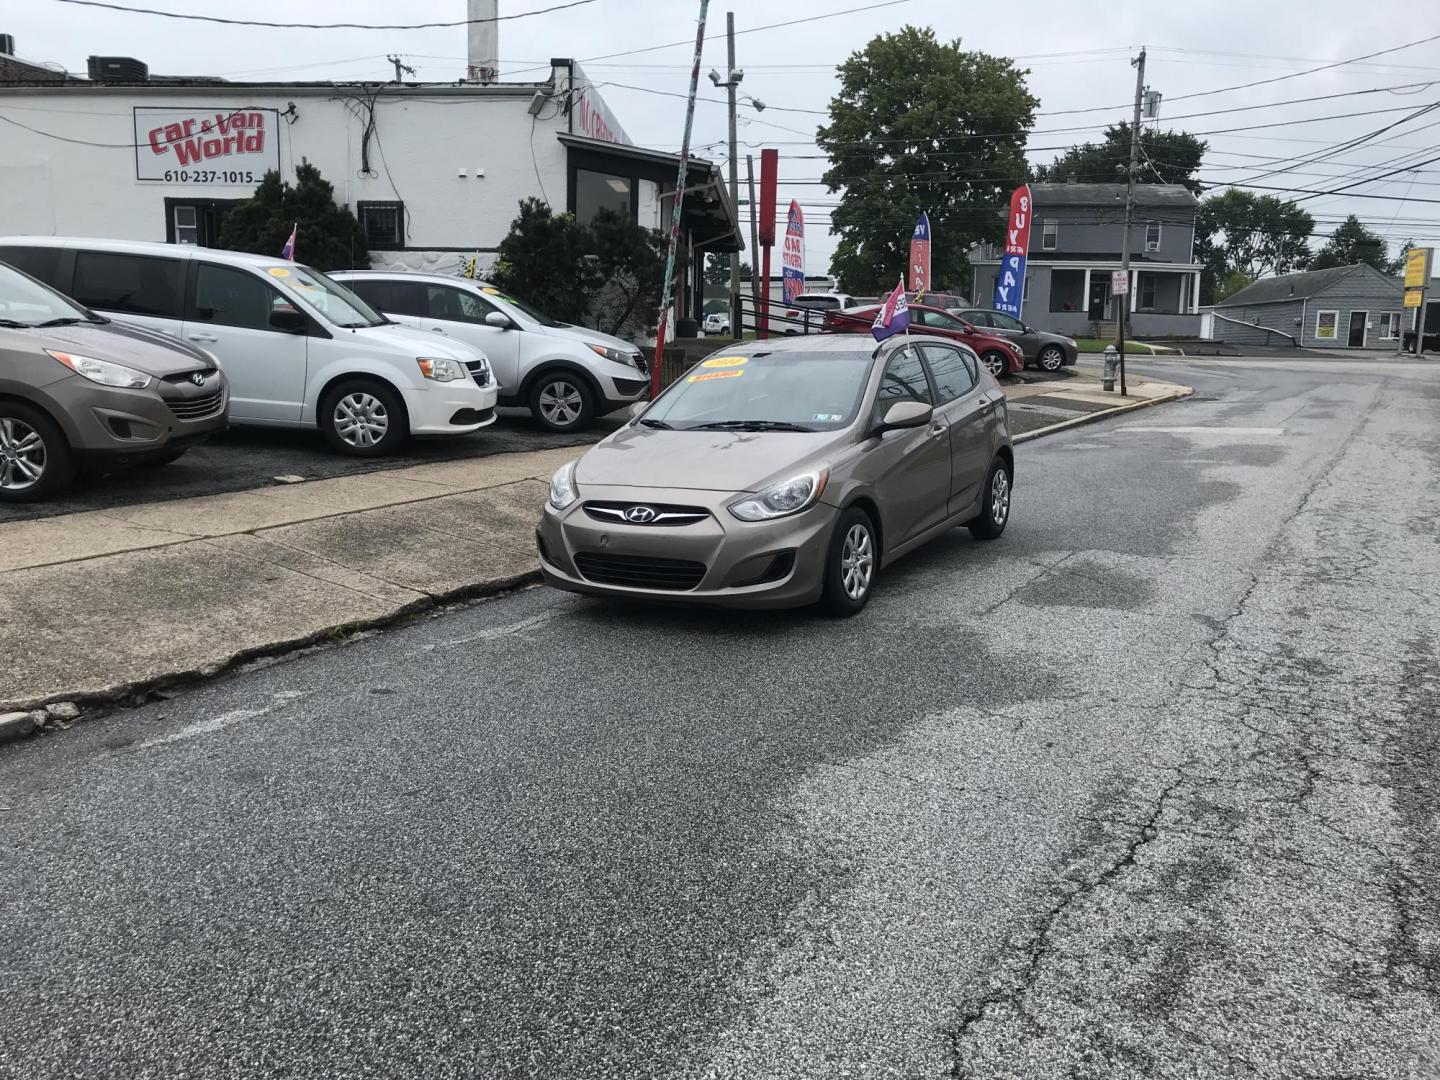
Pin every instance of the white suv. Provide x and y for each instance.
(564, 374)
(298, 349)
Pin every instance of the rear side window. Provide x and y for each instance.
(226, 296)
(977, 318)
(393, 297)
(904, 380)
(41, 263)
(953, 377)
(135, 284)
(457, 305)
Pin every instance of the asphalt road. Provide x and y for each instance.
(1147, 788)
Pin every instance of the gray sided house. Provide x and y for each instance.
(1076, 239)
(1343, 306)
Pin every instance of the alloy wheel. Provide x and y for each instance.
(22, 455)
(361, 419)
(1000, 497)
(857, 562)
(1051, 359)
(560, 403)
(995, 364)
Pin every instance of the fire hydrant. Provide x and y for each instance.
(1112, 361)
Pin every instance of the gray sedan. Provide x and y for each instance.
(1047, 351)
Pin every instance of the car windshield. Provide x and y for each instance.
(24, 302)
(776, 391)
(334, 301)
(522, 307)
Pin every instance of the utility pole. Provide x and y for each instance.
(399, 67)
(1124, 307)
(734, 175)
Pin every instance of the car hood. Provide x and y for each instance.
(702, 460)
(581, 333)
(419, 342)
(144, 350)
(1049, 337)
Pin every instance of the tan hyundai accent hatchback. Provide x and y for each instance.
(784, 473)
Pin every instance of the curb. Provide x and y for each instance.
(1090, 418)
(159, 687)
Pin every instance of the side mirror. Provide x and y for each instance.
(289, 320)
(497, 320)
(906, 414)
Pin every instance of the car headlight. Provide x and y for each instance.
(104, 372)
(441, 370)
(782, 499)
(563, 491)
(616, 355)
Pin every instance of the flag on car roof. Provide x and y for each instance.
(288, 251)
(894, 314)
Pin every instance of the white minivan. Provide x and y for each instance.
(298, 349)
(564, 374)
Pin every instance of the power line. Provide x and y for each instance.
(322, 26)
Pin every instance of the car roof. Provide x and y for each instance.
(147, 247)
(416, 275)
(800, 344)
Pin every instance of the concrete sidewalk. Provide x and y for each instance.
(104, 606)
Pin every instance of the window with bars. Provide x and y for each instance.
(384, 224)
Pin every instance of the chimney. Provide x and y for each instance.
(7, 44)
(483, 41)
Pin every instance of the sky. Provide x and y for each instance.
(1078, 57)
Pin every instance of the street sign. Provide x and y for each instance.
(1414, 297)
(1119, 283)
(1417, 268)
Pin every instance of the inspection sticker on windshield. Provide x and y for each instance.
(731, 373)
(826, 418)
(725, 362)
(278, 271)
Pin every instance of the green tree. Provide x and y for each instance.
(1252, 235)
(1231, 284)
(717, 271)
(327, 235)
(1166, 157)
(921, 125)
(606, 274)
(1352, 243)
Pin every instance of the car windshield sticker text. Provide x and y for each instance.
(724, 362)
(729, 373)
(205, 145)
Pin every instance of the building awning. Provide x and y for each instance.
(707, 211)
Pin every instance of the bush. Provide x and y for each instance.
(328, 236)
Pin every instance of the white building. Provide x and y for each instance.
(434, 172)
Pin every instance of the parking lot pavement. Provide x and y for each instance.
(249, 457)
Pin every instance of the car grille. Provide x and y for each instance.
(479, 372)
(640, 572)
(640, 363)
(199, 408)
(613, 513)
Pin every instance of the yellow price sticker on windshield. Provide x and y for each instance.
(278, 271)
(725, 361)
(491, 290)
(732, 373)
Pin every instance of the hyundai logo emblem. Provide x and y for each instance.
(640, 515)
(199, 378)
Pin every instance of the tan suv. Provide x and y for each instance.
(77, 389)
(782, 473)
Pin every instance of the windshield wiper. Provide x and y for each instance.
(11, 324)
(68, 320)
(751, 425)
(657, 424)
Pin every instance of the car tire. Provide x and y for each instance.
(1051, 358)
(995, 504)
(562, 401)
(851, 566)
(363, 418)
(35, 459)
(995, 363)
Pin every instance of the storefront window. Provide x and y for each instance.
(595, 191)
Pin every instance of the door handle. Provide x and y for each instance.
(937, 429)
(203, 337)
(437, 330)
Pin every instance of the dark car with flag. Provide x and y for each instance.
(999, 355)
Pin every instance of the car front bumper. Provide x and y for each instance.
(718, 561)
(454, 408)
(121, 425)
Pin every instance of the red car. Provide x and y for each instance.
(1000, 355)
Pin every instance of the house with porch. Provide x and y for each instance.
(1076, 243)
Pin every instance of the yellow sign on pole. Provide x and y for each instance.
(1417, 270)
(1413, 297)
